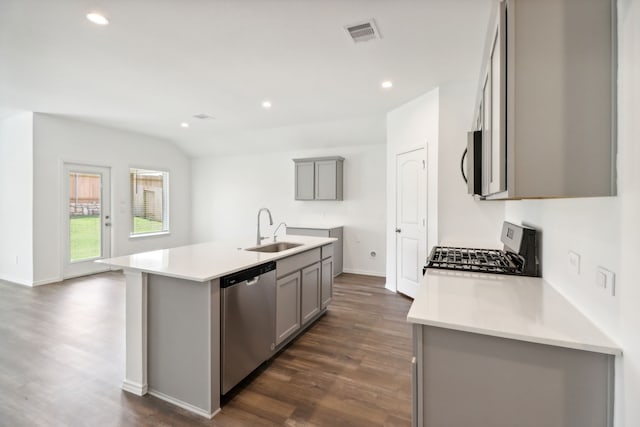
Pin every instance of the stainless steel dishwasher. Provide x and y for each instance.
(248, 317)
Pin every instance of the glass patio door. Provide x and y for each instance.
(87, 218)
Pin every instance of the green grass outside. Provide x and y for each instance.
(85, 234)
(141, 225)
(84, 239)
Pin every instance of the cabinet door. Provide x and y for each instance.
(326, 184)
(304, 180)
(310, 292)
(326, 290)
(498, 171)
(486, 133)
(287, 306)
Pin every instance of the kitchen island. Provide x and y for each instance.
(502, 350)
(173, 313)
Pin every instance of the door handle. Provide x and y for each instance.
(398, 230)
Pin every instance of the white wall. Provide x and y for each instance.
(439, 121)
(411, 126)
(229, 191)
(462, 220)
(16, 198)
(58, 140)
(604, 231)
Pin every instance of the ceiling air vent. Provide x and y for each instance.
(203, 116)
(363, 31)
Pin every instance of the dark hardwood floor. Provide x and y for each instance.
(62, 363)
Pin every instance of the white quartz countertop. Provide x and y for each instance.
(205, 261)
(522, 308)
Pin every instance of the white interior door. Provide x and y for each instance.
(411, 220)
(86, 218)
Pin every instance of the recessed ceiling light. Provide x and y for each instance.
(387, 84)
(97, 18)
(184, 124)
(266, 104)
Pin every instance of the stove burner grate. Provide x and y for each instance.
(476, 260)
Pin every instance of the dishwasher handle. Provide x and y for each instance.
(250, 275)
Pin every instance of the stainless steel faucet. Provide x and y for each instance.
(259, 237)
(278, 228)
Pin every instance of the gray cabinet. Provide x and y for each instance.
(310, 301)
(287, 306)
(493, 101)
(326, 288)
(460, 378)
(305, 173)
(299, 291)
(546, 101)
(319, 178)
(336, 232)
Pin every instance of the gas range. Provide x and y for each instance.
(519, 256)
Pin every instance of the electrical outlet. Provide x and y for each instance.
(574, 263)
(606, 280)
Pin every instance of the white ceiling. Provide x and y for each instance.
(160, 62)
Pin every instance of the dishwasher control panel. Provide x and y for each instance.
(248, 274)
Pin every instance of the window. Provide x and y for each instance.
(149, 201)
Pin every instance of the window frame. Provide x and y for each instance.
(166, 226)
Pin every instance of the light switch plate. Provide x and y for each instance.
(574, 262)
(606, 280)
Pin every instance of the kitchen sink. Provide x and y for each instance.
(274, 247)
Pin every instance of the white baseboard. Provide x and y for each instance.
(391, 287)
(363, 272)
(15, 281)
(87, 273)
(47, 281)
(135, 388)
(183, 405)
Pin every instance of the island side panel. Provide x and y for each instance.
(135, 333)
(214, 359)
(180, 342)
(481, 380)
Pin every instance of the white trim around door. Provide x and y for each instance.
(86, 218)
(411, 219)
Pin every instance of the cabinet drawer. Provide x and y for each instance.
(327, 251)
(297, 262)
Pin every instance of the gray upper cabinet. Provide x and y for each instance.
(319, 178)
(546, 100)
(305, 172)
